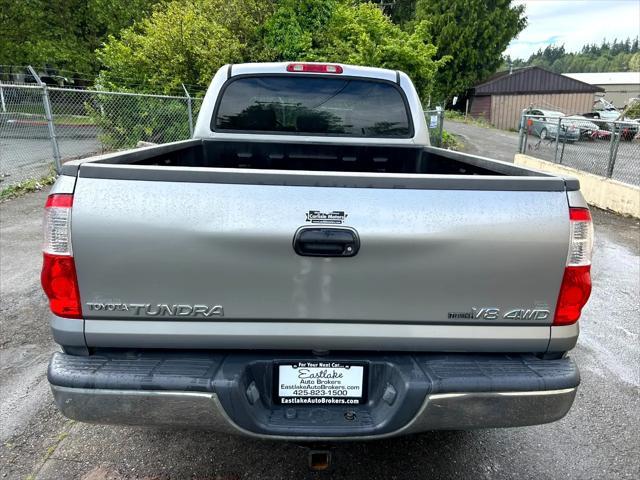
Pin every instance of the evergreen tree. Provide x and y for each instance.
(474, 33)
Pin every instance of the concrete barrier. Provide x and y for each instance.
(599, 191)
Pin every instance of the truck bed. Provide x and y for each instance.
(318, 164)
(326, 158)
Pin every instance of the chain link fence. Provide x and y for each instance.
(25, 148)
(435, 125)
(42, 127)
(603, 147)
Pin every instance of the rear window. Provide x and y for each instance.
(312, 106)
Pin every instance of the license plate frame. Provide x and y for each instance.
(322, 395)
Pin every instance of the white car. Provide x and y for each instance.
(585, 126)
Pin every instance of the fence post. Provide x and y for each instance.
(564, 142)
(612, 151)
(555, 155)
(2, 102)
(49, 117)
(526, 133)
(441, 119)
(521, 134)
(189, 110)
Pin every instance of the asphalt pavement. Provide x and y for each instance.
(485, 141)
(598, 439)
(26, 152)
(587, 155)
(28, 158)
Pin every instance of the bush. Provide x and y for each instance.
(450, 141)
(187, 42)
(339, 31)
(181, 42)
(454, 115)
(126, 120)
(633, 109)
(457, 116)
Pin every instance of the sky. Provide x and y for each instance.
(574, 23)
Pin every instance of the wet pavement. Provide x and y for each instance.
(485, 141)
(598, 439)
(587, 155)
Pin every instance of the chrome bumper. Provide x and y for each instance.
(203, 410)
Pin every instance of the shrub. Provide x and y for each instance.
(124, 120)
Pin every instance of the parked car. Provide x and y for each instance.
(613, 119)
(308, 267)
(604, 110)
(545, 126)
(586, 128)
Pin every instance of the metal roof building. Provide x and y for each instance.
(501, 98)
(618, 87)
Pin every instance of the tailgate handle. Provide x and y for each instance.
(326, 242)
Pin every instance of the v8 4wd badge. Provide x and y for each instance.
(490, 313)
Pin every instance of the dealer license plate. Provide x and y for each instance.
(320, 383)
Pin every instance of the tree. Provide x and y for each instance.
(63, 34)
(294, 31)
(606, 57)
(181, 43)
(339, 31)
(187, 43)
(402, 12)
(474, 33)
(362, 35)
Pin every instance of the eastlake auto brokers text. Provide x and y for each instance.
(322, 393)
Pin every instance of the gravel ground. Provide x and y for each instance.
(598, 439)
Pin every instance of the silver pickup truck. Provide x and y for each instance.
(308, 267)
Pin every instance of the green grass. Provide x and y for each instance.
(29, 108)
(454, 115)
(22, 188)
(459, 117)
(451, 142)
(61, 436)
(58, 118)
(73, 120)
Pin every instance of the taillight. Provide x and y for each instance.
(59, 279)
(576, 282)
(314, 68)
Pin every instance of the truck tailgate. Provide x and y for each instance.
(156, 250)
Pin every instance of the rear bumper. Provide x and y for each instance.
(198, 410)
(432, 392)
